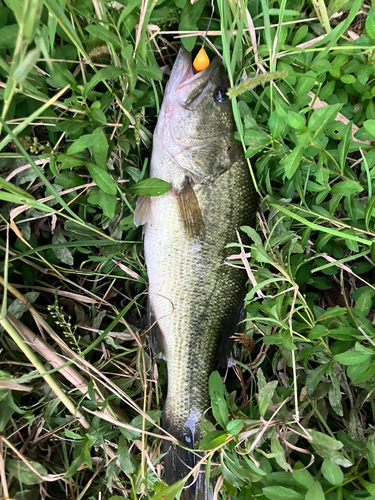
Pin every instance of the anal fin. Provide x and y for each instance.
(227, 353)
(155, 334)
(189, 210)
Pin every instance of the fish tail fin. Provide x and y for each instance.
(178, 462)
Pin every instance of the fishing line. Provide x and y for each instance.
(209, 22)
(202, 60)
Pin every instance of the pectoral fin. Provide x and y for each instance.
(142, 212)
(190, 211)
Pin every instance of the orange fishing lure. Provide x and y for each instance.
(201, 61)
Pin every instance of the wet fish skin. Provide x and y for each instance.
(193, 295)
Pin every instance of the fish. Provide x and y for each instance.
(194, 297)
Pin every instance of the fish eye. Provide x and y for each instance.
(220, 95)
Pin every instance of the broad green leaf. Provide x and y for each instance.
(104, 74)
(349, 442)
(292, 161)
(370, 23)
(7, 410)
(321, 66)
(215, 384)
(281, 493)
(99, 148)
(361, 348)
(317, 332)
(252, 234)
(231, 475)
(332, 472)
(328, 447)
(370, 127)
(364, 302)
(370, 111)
(234, 427)
(259, 254)
(302, 476)
(327, 90)
(256, 141)
(300, 35)
(315, 492)
(305, 83)
(321, 283)
(68, 179)
(276, 125)
(352, 358)
(212, 440)
(104, 34)
(331, 312)
(296, 121)
(62, 253)
(347, 188)
(8, 36)
(314, 377)
(151, 187)
(265, 395)
(321, 118)
(334, 394)
(370, 487)
(279, 453)
(97, 115)
(62, 76)
(81, 232)
(261, 380)
(153, 72)
(102, 179)
(124, 457)
(84, 142)
(357, 378)
(169, 492)
(219, 409)
(138, 420)
(107, 202)
(188, 19)
(355, 371)
(17, 308)
(23, 473)
(347, 79)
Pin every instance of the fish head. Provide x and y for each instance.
(196, 120)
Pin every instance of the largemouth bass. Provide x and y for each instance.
(194, 298)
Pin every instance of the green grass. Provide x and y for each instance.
(80, 394)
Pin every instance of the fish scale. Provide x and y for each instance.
(193, 294)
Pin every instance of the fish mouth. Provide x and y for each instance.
(189, 86)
